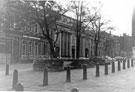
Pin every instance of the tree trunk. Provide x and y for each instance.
(96, 49)
(78, 47)
(52, 49)
(96, 52)
(52, 52)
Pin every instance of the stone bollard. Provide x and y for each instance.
(97, 70)
(119, 66)
(19, 87)
(113, 67)
(84, 72)
(132, 64)
(15, 78)
(128, 65)
(68, 77)
(45, 77)
(7, 69)
(106, 69)
(124, 61)
(75, 90)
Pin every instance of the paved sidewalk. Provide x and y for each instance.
(16, 66)
(120, 81)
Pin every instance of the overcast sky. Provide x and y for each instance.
(119, 12)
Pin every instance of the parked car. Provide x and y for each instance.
(114, 59)
(99, 60)
(119, 58)
(108, 59)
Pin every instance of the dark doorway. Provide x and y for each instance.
(86, 52)
(57, 51)
(73, 52)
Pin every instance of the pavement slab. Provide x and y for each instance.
(120, 81)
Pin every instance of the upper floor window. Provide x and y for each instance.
(29, 28)
(36, 28)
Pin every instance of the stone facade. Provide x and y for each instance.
(26, 44)
(133, 34)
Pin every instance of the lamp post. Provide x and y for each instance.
(7, 65)
(6, 48)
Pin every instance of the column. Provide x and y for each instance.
(12, 50)
(83, 47)
(70, 45)
(33, 49)
(90, 48)
(75, 46)
(66, 44)
(60, 45)
(27, 49)
(42, 48)
(19, 50)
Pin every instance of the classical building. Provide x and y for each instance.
(133, 34)
(26, 44)
(126, 45)
(22, 45)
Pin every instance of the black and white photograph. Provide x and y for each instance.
(67, 45)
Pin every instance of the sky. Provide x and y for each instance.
(119, 12)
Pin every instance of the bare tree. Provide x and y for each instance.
(98, 26)
(43, 12)
(83, 18)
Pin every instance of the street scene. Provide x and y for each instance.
(67, 46)
(120, 81)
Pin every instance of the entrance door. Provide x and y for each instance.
(86, 52)
(73, 52)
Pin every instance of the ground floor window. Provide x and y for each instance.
(36, 48)
(30, 47)
(23, 47)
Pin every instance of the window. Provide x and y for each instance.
(36, 48)
(30, 48)
(36, 28)
(45, 50)
(28, 28)
(23, 47)
(32, 28)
